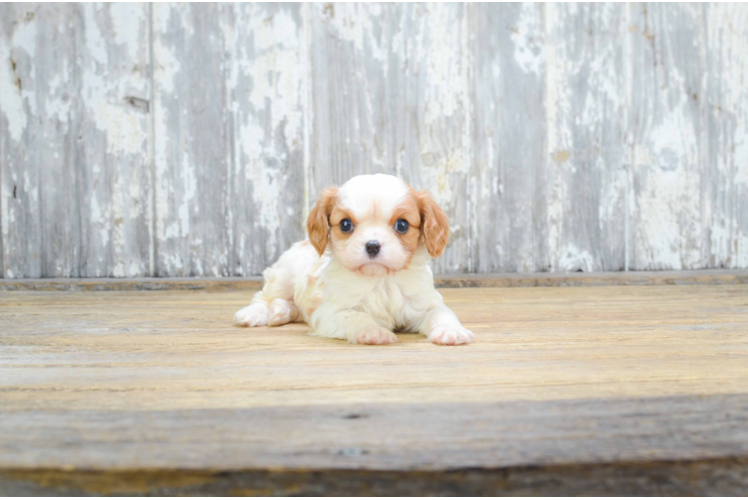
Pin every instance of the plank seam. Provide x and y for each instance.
(308, 102)
(469, 101)
(628, 139)
(153, 246)
(2, 214)
(79, 111)
(546, 263)
(502, 280)
(230, 125)
(704, 142)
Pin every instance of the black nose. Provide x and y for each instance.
(372, 248)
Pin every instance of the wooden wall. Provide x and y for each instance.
(190, 140)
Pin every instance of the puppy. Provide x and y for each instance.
(363, 273)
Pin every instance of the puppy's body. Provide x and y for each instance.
(364, 283)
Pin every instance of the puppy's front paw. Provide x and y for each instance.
(281, 312)
(451, 335)
(252, 315)
(375, 335)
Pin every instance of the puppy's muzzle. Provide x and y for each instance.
(372, 248)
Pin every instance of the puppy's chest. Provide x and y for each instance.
(386, 303)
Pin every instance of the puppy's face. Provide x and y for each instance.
(375, 223)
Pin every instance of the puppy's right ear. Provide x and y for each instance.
(318, 222)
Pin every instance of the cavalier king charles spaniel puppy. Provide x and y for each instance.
(363, 273)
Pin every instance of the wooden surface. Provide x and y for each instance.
(639, 389)
(75, 169)
(631, 278)
(191, 140)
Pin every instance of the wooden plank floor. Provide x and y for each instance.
(590, 390)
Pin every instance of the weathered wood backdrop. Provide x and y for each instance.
(180, 140)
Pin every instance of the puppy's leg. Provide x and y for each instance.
(278, 291)
(279, 286)
(255, 314)
(283, 311)
(354, 326)
(441, 326)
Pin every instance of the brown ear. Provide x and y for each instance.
(318, 222)
(434, 224)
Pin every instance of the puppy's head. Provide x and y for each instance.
(375, 223)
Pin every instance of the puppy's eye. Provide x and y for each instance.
(401, 226)
(346, 225)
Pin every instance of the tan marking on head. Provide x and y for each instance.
(408, 210)
(434, 223)
(318, 222)
(338, 214)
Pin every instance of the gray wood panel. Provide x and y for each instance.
(508, 178)
(585, 177)
(191, 140)
(267, 111)
(228, 137)
(390, 90)
(112, 162)
(40, 214)
(669, 136)
(726, 104)
(405, 436)
(75, 193)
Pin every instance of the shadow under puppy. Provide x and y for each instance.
(363, 273)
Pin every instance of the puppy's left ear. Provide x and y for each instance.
(434, 224)
(318, 222)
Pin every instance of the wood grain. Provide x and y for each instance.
(76, 191)
(557, 376)
(191, 140)
(404, 437)
(586, 181)
(667, 478)
(267, 106)
(40, 211)
(669, 137)
(112, 164)
(670, 336)
(371, 63)
(508, 178)
(635, 278)
(727, 117)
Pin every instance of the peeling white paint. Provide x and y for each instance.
(445, 86)
(127, 27)
(557, 105)
(668, 234)
(11, 100)
(6, 218)
(189, 192)
(12, 97)
(95, 43)
(273, 67)
(412, 110)
(355, 23)
(529, 45)
(274, 73)
(166, 66)
(573, 259)
(166, 69)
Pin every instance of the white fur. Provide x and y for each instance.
(344, 293)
